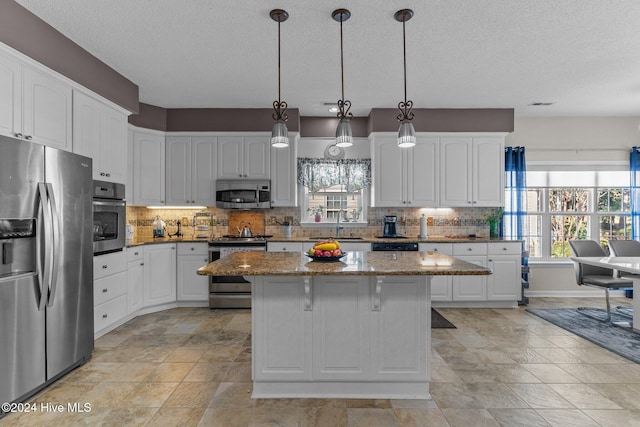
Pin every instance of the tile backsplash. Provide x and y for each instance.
(442, 222)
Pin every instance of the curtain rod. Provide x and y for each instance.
(577, 149)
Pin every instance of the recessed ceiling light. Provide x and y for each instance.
(541, 104)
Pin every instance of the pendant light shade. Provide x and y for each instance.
(406, 133)
(279, 135)
(279, 132)
(344, 135)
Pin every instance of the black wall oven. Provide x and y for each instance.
(109, 217)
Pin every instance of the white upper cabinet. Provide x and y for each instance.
(191, 170)
(34, 105)
(284, 189)
(100, 132)
(10, 96)
(243, 157)
(472, 171)
(148, 168)
(405, 176)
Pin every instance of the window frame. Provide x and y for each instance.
(595, 216)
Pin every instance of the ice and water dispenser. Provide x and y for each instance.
(17, 246)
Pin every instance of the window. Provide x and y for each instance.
(329, 188)
(566, 205)
(330, 202)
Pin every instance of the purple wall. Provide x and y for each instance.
(25, 32)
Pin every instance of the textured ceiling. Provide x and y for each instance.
(582, 55)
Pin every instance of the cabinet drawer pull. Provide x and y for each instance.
(105, 290)
(376, 295)
(307, 294)
(18, 135)
(469, 249)
(104, 316)
(28, 137)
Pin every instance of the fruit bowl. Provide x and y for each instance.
(326, 258)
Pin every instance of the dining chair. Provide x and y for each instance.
(625, 248)
(598, 277)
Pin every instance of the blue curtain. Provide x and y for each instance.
(515, 204)
(634, 167)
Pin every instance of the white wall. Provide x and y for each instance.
(571, 139)
(576, 138)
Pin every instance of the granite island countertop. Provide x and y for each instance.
(354, 263)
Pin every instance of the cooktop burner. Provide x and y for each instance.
(233, 238)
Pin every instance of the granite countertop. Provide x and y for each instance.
(355, 263)
(408, 239)
(156, 240)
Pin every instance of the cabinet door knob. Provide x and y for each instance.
(108, 174)
(142, 263)
(102, 174)
(504, 249)
(435, 249)
(469, 249)
(105, 290)
(28, 137)
(18, 135)
(104, 316)
(193, 249)
(105, 266)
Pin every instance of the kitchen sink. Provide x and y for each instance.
(335, 238)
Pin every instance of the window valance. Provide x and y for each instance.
(318, 174)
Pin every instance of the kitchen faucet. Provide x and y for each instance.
(338, 226)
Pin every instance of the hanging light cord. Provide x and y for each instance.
(344, 105)
(279, 106)
(406, 105)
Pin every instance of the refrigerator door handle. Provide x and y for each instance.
(42, 266)
(56, 245)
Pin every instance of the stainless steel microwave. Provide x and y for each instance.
(243, 193)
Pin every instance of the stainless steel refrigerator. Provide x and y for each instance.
(46, 266)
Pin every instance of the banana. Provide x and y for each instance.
(328, 246)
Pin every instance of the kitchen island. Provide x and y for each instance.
(356, 328)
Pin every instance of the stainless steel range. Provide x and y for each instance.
(232, 291)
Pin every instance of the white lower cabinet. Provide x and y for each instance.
(503, 258)
(354, 330)
(470, 288)
(350, 246)
(159, 274)
(399, 329)
(286, 246)
(341, 328)
(191, 286)
(135, 279)
(282, 346)
(441, 286)
(109, 290)
(506, 263)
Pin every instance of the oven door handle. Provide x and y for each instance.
(113, 203)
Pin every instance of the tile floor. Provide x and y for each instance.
(191, 367)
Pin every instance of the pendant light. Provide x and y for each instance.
(344, 136)
(406, 133)
(279, 132)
